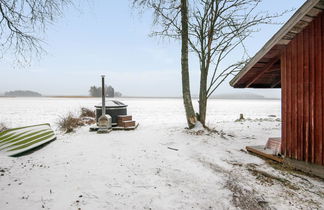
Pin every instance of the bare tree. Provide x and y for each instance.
(21, 22)
(218, 28)
(163, 10)
(190, 113)
(217, 31)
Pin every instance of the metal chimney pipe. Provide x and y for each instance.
(103, 95)
(104, 121)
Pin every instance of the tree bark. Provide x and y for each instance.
(190, 113)
(203, 95)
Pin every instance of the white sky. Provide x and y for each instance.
(109, 37)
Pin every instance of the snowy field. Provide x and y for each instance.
(138, 170)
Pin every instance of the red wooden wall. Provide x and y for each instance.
(302, 85)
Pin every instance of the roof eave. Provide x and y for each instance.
(297, 16)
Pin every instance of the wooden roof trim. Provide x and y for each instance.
(266, 68)
(287, 27)
(276, 84)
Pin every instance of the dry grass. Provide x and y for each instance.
(241, 198)
(245, 199)
(70, 122)
(209, 132)
(266, 177)
(85, 112)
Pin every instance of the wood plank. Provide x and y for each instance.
(261, 152)
(283, 102)
(289, 101)
(283, 41)
(274, 52)
(274, 144)
(125, 128)
(320, 5)
(314, 12)
(299, 27)
(318, 93)
(289, 113)
(275, 84)
(300, 97)
(322, 35)
(312, 90)
(306, 93)
(259, 65)
(290, 35)
(294, 98)
(266, 68)
(307, 19)
(265, 60)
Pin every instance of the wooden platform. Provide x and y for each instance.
(116, 128)
(266, 153)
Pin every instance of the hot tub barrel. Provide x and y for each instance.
(113, 108)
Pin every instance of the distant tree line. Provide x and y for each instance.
(22, 93)
(95, 91)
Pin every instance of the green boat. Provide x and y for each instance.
(16, 141)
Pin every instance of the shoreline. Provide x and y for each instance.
(144, 97)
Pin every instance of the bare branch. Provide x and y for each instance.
(21, 22)
(217, 32)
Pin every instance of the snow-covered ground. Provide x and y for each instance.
(160, 165)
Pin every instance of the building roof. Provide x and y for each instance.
(263, 70)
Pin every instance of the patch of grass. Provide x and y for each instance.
(245, 199)
(85, 112)
(214, 167)
(284, 168)
(258, 120)
(70, 122)
(269, 178)
(241, 198)
(87, 116)
(208, 132)
(290, 170)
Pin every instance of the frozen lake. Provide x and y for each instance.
(164, 111)
(138, 170)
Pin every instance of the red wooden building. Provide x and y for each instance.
(293, 60)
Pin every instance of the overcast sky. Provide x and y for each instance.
(109, 37)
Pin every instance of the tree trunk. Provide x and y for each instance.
(190, 113)
(203, 95)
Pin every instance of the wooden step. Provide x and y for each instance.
(128, 123)
(274, 144)
(122, 118)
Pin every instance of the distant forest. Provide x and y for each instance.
(22, 93)
(109, 90)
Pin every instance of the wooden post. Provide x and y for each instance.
(103, 95)
(241, 117)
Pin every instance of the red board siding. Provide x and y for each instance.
(302, 83)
